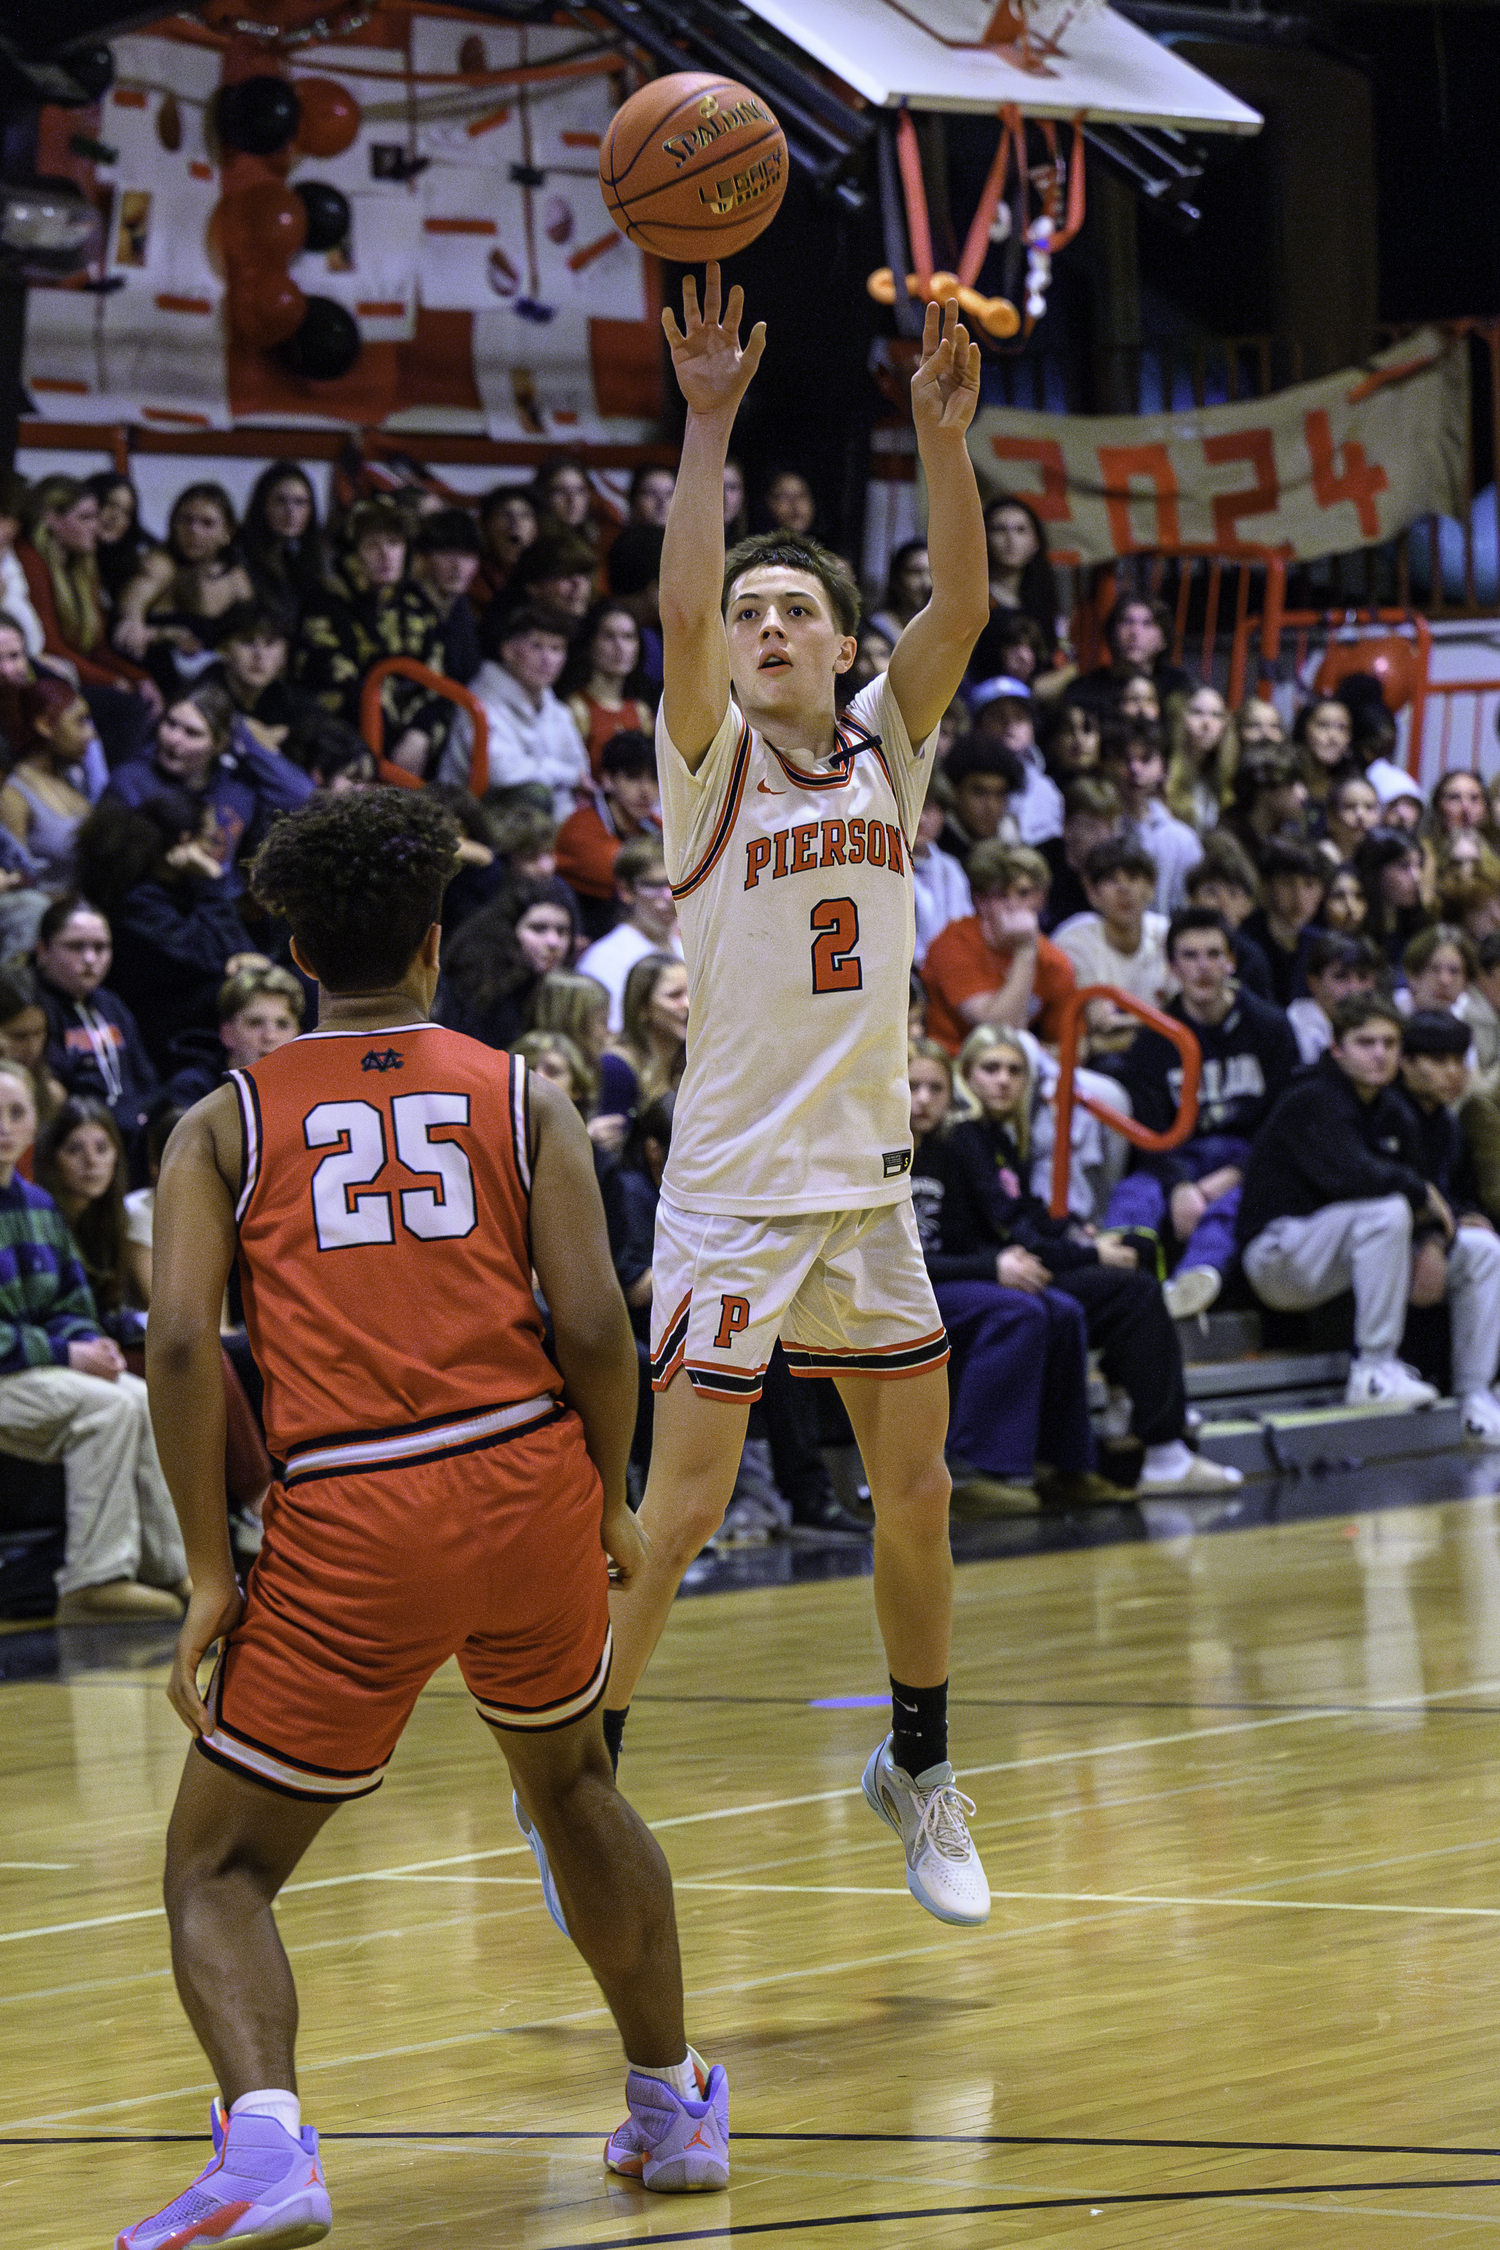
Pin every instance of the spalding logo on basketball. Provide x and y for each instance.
(693, 167)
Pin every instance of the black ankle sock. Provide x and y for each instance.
(919, 1723)
(614, 1734)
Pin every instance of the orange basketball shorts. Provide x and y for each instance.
(371, 1578)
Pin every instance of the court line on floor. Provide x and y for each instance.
(736, 1987)
(590, 2133)
(734, 2230)
(1299, 1717)
(1012, 1703)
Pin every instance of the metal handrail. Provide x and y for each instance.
(372, 726)
(1141, 1136)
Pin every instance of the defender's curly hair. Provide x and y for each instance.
(360, 879)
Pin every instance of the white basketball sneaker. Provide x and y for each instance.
(942, 1867)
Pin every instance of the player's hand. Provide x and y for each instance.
(945, 388)
(623, 1541)
(713, 373)
(1113, 1252)
(214, 1609)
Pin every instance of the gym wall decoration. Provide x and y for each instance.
(400, 229)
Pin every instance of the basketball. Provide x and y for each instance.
(693, 167)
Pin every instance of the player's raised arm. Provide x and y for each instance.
(591, 1328)
(713, 374)
(193, 1248)
(932, 654)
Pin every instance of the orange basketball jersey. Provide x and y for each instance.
(383, 1238)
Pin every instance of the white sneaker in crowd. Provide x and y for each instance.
(1386, 1382)
(1176, 1468)
(1191, 1290)
(1481, 1418)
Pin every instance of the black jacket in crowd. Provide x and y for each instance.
(1248, 1060)
(1446, 1161)
(971, 1199)
(1321, 1144)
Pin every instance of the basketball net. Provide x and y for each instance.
(1044, 212)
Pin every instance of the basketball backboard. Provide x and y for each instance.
(931, 54)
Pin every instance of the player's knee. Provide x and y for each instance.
(697, 1512)
(916, 1502)
(202, 1864)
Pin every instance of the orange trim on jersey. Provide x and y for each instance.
(851, 738)
(724, 827)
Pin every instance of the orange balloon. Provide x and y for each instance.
(265, 307)
(330, 117)
(262, 226)
(1392, 659)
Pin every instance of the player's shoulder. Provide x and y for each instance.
(877, 711)
(730, 732)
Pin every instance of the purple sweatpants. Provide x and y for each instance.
(1140, 1200)
(1020, 1390)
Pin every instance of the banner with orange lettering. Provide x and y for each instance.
(1316, 470)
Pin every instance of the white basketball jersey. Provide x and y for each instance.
(794, 892)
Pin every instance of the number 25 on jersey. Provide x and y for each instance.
(355, 1131)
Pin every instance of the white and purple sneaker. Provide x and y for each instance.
(263, 2188)
(673, 2146)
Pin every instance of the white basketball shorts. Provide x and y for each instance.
(846, 1291)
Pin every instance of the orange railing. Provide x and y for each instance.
(1481, 720)
(1336, 625)
(372, 721)
(1146, 573)
(1141, 1136)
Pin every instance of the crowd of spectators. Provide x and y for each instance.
(1284, 891)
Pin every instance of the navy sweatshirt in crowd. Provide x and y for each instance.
(94, 1046)
(1321, 1144)
(1248, 1061)
(971, 1199)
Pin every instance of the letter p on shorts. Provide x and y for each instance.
(734, 1317)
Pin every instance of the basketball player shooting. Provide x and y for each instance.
(449, 1490)
(786, 1206)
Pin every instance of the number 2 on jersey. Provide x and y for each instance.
(344, 1220)
(835, 964)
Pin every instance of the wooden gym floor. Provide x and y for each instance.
(1239, 1805)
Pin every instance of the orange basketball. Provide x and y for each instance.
(693, 167)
